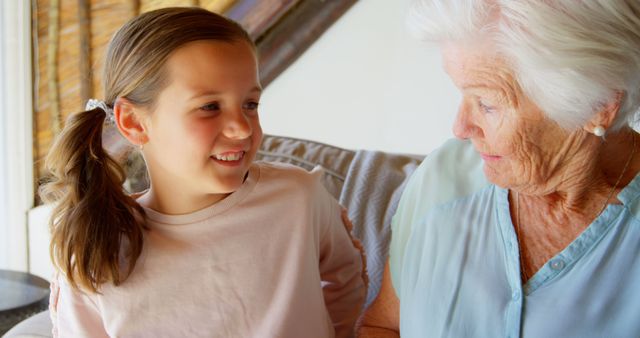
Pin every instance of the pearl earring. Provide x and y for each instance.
(598, 131)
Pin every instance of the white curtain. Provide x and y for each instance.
(4, 233)
(16, 133)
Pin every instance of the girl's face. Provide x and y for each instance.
(204, 131)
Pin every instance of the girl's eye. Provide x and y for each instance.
(211, 106)
(251, 105)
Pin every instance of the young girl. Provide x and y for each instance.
(218, 246)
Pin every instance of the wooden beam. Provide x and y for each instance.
(298, 29)
(257, 16)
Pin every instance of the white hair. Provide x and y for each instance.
(570, 57)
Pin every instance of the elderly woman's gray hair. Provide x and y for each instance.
(570, 57)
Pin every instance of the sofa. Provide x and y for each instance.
(367, 183)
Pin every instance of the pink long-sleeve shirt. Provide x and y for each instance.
(273, 259)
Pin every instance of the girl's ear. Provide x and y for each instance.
(607, 114)
(129, 120)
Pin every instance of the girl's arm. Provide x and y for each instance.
(73, 313)
(382, 318)
(343, 275)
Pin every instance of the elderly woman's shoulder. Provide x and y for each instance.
(451, 171)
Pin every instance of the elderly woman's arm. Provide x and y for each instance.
(382, 318)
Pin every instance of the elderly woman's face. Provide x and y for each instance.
(519, 145)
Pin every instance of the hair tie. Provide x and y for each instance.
(93, 104)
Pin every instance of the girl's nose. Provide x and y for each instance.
(237, 125)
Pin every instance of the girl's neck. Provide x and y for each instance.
(177, 203)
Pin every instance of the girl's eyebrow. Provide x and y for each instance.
(200, 93)
(256, 89)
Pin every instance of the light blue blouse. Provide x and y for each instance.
(455, 262)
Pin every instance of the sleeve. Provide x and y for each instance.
(73, 312)
(342, 269)
(451, 171)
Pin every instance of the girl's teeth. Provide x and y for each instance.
(229, 157)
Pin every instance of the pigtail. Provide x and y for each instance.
(96, 228)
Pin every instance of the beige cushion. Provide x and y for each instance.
(309, 154)
(36, 326)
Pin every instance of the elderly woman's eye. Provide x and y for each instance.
(486, 108)
(211, 106)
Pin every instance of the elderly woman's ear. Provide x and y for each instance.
(605, 117)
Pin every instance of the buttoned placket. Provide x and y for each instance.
(551, 269)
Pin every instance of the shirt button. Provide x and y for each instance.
(515, 295)
(557, 264)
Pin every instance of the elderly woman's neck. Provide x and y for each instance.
(619, 157)
(595, 177)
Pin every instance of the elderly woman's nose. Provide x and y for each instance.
(463, 126)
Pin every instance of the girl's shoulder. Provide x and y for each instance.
(288, 171)
(278, 168)
(290, 174)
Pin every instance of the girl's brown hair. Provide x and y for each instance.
(96, 227)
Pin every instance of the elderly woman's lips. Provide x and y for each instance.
(490, 157)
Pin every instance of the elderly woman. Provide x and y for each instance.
(548, 245)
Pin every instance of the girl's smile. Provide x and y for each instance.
(230, 158)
